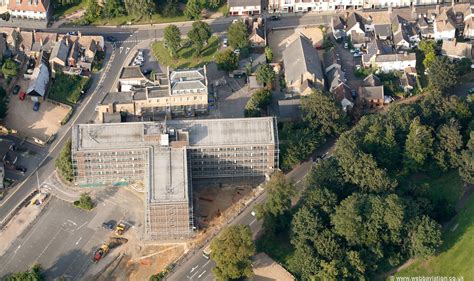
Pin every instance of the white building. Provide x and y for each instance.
(245, 7)
(392, 62)
(30, 9)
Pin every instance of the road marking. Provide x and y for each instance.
(121, 49)
(254, 220)
(72, 222)
(82, 225)
(194, 268)
(200, 275)
(80, 238)
(127, 50)
(49, 244)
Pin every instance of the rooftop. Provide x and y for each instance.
(238, 3)
(209, 132)
(131, 72)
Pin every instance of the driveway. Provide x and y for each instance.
(231, 99)
(348, 63)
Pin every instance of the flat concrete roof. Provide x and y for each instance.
(202, 133)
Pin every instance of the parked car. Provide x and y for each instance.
(356, 55)
(109, 225)
(274, 17)
(237, 51)
(16, 89)
(225, 43)
(110, 39)
(471, 90)
(72, 33)
(22, 96)
(346, 45)
(20, 169)
(36, 106)
(146, 71)
(240, 75)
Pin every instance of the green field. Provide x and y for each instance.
(67, 88)
(456, 257)
(185, 55)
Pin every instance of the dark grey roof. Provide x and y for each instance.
(39, 81)
(115, 117)
(157, 92)
(131, 72)
(337, 23)
(372, 93)
(399, 36)
(289, 109)
(3, 45)
(117, 98)
(60, 50)
(407, 80)
(371, 80)
(329, 58)
(300, 57)
(354, 19)
(384, 30)
(241, 3)
(335, 78)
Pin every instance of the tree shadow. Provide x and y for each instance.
(70, 266)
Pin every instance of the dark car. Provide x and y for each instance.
(109, 225)
(36, 106)
(72, 33)
(110, 39)
(146, 71)
(240, 75)
(16, 89)
(274, 17)
(20, 169)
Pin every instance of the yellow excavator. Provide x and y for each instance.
(120, 229)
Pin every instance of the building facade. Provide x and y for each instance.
(165, 156)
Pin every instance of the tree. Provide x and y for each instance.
(9, 68)
(84, 202)
(199, 34)
(114, 8)
(238, 38)
(172, 39)
(442, 74)
(428, 60)
(31, 275)
(171, 8)
(280, 192)
(466, 163)
(322, 113)
(93, 10)
(418, 146)
(227, 60)
(265, 75)
(424, 237)
(193, 9)
(232, 251)
(268, 54)
(448, 145)
(140, 8)
(213, 4)
(428, 47)
(257, 102)
(64, 163)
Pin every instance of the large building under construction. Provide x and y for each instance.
(165, 156)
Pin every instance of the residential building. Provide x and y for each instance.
(355, 22)
(30, 9)
(392, 62)
(376, 48)
(245, 7)
(39, 82)
(408, 81)
(426, 29)
(338, 27)
(383, 31)
(165, 157)
(59, 54)
(406, 36)
(372, 92)
(257, 35)
(180, 92)
(457, 50)
(302, 65)
(313, 5)
(3, 47)
(289, 109)
(330, 60)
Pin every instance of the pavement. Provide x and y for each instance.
(197, 267)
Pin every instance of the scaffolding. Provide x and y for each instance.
(166, 156)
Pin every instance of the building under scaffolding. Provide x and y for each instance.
(165, 156)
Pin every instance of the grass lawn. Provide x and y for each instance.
(448, 186)
(156, 18)
(186, 58)
(67, 88)
(68, 9)
(456, 256)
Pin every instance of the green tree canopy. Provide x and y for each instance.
(31, 275)
(199, 34)
(140, 8)
(9, 68)
(193, 9)
(238, 37)
(321, 112)
(257, 102)
(428, 47)
(425, 237)
(114, 8)
(93, 10)
(466, 163)
(227, 60)
(232, 251)
(448, 145)
(171, 8)
(268, 54)
(265, 75)
(418, 146)
(442, 74)
(280, 193)
(64, 162)
(172, 38)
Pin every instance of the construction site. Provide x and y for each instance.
(166, 157)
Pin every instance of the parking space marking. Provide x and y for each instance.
(72, 222)
(200, 275)
(80, 238)
(252, 222)
(49, 243)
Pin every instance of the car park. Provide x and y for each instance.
(22, 96)
(21, 169)
(16, 89)
(36, 106)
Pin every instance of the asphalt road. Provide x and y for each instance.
(197, 267)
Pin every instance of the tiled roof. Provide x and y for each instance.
(29, 5)
(457, 49)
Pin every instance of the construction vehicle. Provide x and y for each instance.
(104, 249)
(120, 229)
(206, 253)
